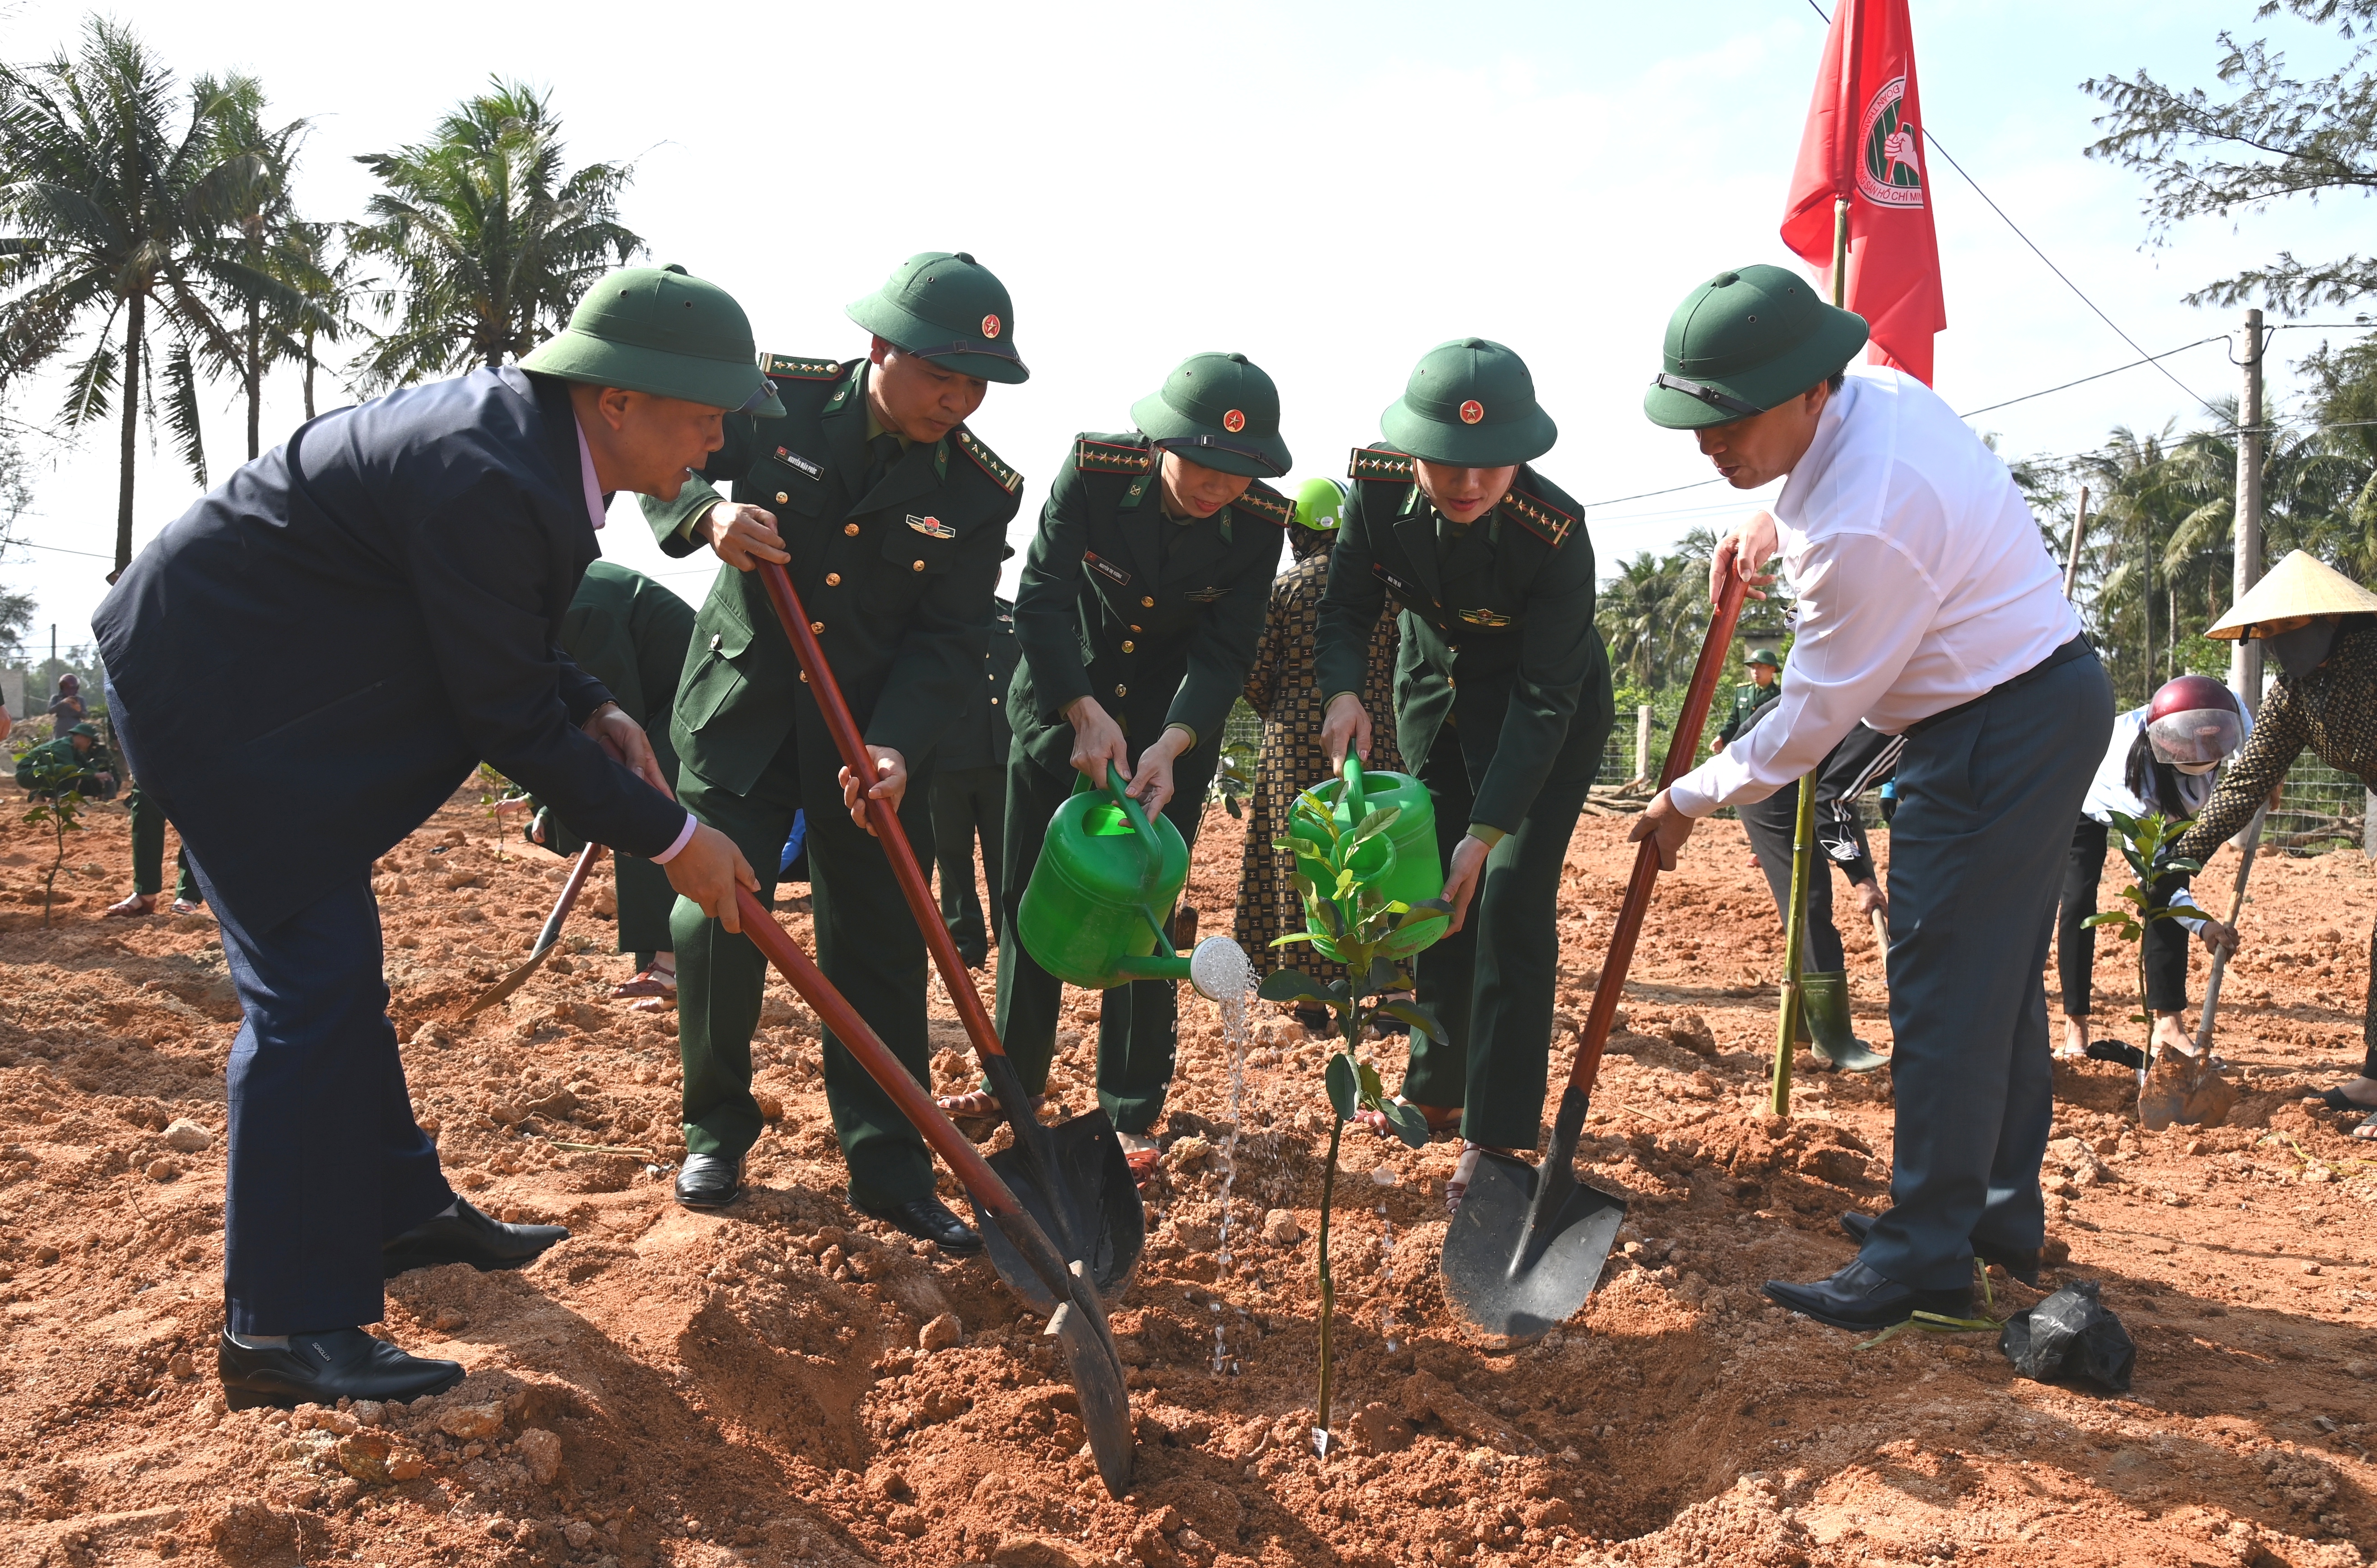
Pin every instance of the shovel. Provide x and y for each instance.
(1078, 1323)
(1528, 1244)
(1072, 1179)
(544, 939)
(2189, 1093)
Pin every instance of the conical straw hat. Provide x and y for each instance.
(2300, 584)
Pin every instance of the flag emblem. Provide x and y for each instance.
(1472, 411)
(990, 327)
(1891, 173)
(1234, 421)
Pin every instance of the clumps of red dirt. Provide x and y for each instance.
(789, 1382)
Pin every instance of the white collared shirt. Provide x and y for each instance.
(1921, 578)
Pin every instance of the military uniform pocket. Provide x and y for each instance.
(713, 678)
(916, 552)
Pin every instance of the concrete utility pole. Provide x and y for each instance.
(2079, 532)
(2245, 656)
(1643, 742)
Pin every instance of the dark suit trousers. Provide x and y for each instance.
(1138, 1024)
(324, 1161)
(967, 803)
(1770, 825)
(1490, 982)
(867, 942)
(1986, 802)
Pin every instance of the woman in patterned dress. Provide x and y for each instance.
(1280, 687)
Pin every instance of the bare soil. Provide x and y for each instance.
(788, 1384)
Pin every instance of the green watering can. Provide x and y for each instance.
(1404, 862)
(1089, 914)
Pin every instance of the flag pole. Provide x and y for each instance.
(1803, 827)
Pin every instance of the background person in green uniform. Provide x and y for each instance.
(1765, 685)
(970, 794)
(630, 633)
(149, 864)
(76, 760)
(892, 519)
(1502, 698)
(1142, 602)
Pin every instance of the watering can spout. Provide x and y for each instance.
(1217, 969)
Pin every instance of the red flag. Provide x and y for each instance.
(1864, 144)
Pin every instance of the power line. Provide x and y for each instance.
(2010, 403)
(1933, 139)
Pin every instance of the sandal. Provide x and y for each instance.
(131, 909)
(1443, 1121)
(1458, 1188)
(2333, 1100)
(188, 906)
(653, 981)
(1138, 1152)
(977, 1111)
(666, 1002)
(2367, 1131)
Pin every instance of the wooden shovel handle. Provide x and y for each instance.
(1681, 749)
(835, 1012)
(888, 831)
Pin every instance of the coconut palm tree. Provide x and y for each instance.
(1654, 611)
(111, 192)
(491, 241)
(254, 163)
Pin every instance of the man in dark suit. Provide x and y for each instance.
(415, 555)
(970, 794)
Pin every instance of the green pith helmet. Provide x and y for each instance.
(1219, 411)
(1764, 656)
(1471, 404)
(89, 729)
(1744, 341)
(1320, 504)
(947, 307)
(660, 331)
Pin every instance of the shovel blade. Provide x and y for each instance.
(1511, 1271)
(1097, 1377)
(1099, 1205)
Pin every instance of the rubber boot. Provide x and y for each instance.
(1825, 1004)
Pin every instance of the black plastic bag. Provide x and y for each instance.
(2071, 1335)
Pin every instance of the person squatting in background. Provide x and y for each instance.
(1284, 691)
(2161, 759)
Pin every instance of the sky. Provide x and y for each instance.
(1330, 189)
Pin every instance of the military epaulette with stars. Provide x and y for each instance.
(1374, 462)
(791, 369)
(1545, 520)
(1264, 502)
(1109, 458)
(988, 461)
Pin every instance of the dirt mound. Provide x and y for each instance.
(789, 1382)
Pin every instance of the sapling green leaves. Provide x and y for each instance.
(2150, 844)
(57, 805)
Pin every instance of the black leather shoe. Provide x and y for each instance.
(468, 1236)
(2021, 1265)
(929, 1219)
(326, 1367)
(1857, 1298)
(710, 1181)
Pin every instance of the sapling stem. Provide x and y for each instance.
(1328, 1285)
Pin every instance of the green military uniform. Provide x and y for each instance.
(1749, 699)
(148, 852)
(895, 551)
(55, 766)
(1502, 701)
(630, 633)
(1156, 618)
(970, 794)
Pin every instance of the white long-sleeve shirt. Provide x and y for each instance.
(1922, 579)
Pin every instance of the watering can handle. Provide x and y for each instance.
(1353, 788)
(1136, 815)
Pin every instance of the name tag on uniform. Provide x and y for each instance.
(931, 528)
(1105, 569)
(792, 459)
(1206, 595)
(1401, 588)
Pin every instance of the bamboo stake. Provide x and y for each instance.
(2079, 527)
